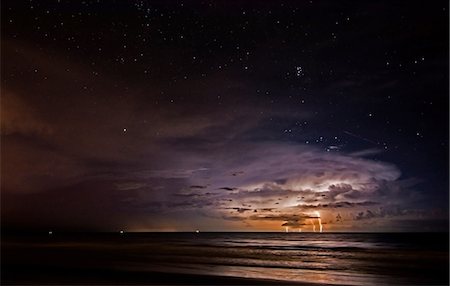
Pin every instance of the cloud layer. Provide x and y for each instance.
(137, 160)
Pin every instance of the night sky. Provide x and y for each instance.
(225, 115)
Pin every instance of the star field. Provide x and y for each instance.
(157, 96)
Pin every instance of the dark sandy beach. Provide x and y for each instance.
(57, 276)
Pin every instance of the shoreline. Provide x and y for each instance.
(17, 276)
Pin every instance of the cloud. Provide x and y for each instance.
(239, 210)
(18, 117)
(197, 187)
(130, 186)
(228, 189)
(191, 158)
(31, 168)
(290, 179)
(294, 224)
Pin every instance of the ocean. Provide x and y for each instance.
(226, 258)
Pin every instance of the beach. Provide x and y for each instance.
(226, 258)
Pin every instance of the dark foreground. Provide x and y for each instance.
(226, 258)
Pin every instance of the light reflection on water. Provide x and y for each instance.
(302, 243)
(356, 259)
(351, 259)
(283, 274)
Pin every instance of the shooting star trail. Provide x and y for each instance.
(360, 137)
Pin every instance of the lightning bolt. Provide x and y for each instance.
(319, 220)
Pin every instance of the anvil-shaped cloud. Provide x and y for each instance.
(253, 182)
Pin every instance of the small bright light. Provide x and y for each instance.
(121, 232)
(124, 130)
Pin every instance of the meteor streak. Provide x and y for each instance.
(361, 138)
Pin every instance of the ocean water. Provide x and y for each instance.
(326, 258)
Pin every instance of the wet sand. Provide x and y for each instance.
(55, 276)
